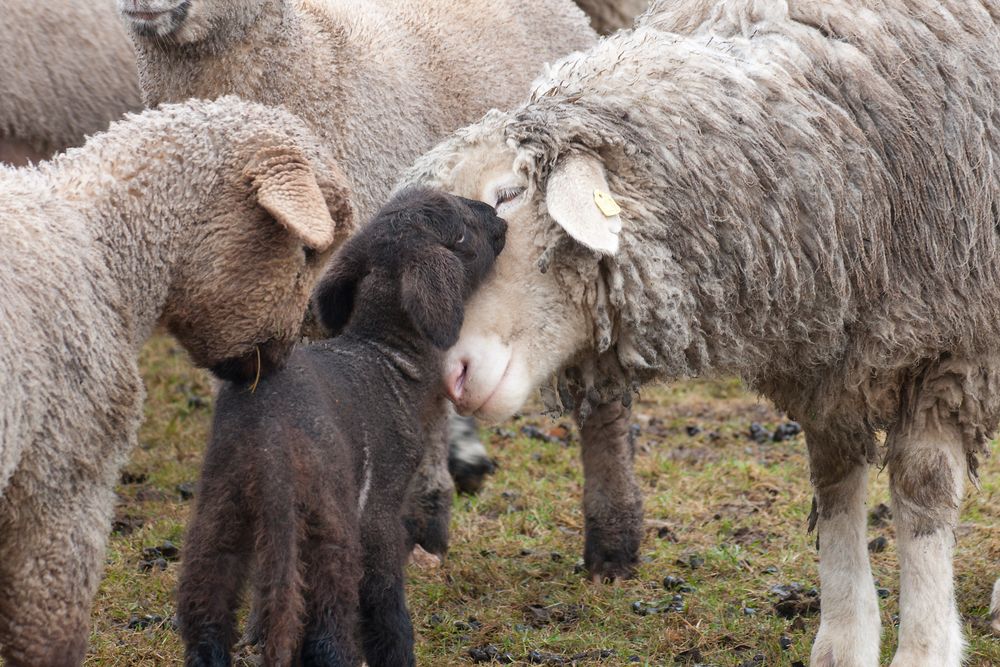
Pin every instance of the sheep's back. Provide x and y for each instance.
(68, 71)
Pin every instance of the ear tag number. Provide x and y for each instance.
(609, 207)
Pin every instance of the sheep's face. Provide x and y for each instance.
(184, 21)
(523, 324)
(242, 285)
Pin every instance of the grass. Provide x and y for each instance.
(512, 578)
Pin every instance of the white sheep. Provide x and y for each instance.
(802, 193)
(378, 80)
(68, 71)
(609, 15)
(211, 218)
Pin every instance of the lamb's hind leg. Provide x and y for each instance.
(332, 567)
(849, 627)
(927, 470)
(217, 553)
(612, 499)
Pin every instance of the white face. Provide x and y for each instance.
(522, 325)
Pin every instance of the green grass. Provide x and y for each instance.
(512, 579)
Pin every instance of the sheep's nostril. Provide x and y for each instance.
(455, 380)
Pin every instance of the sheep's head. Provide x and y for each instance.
(421, 256)
(185, 21)
(275, 212)
(529, 320)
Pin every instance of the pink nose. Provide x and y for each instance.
(455, 379)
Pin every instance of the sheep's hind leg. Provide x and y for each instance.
(849, 629)
(332, 567)
(51, 558)
(217, 554)
(995, 608)
(612, 499)
(927, 470)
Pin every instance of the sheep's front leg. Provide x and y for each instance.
(51, 558)
(995, 608)
(927, 470)
(386, 630)
(849, 629)
(612, 500)
(428, 509)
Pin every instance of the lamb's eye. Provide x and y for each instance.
(508, 194)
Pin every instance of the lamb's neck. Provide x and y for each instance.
(222, 63)
(406, 353)
(140, 209)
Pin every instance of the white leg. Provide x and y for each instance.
(849, 629)
(927, 478)
(995, 608)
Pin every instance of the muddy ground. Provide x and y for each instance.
(728, 575)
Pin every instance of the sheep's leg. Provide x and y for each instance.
(849, 629)
(387, 633)
(217, 554)
(995, 608)
(51, 558)
(428, 502)
(332, 561)
(927, 470)
(612, 500)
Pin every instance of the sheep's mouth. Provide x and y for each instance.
(159, 23)
(255, 365)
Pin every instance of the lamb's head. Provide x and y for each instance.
(186, 21)
(257, 240)
(535, 314)
(421, 256)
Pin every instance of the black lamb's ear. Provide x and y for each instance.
(333, 299)
(432, 294)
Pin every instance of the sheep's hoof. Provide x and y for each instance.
(423, 559)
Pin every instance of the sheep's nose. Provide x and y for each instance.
(455, 379)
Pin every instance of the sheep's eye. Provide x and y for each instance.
(508, 194)
(310, 253)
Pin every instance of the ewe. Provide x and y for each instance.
(213, 219)
(379, 81)
(310, 473)
(68, 71)
(809, 196)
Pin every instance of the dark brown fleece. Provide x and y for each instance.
(309, 473)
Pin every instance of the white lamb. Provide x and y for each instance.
(213, 219)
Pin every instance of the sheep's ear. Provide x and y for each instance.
(579, 200)
(432, 295)
(286, 187)
(333, 300)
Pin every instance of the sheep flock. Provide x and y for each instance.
(361, 217)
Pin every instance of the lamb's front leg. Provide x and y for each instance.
(849, 628)
(612, 499)
(386, 629)
(927, 470)
(51, 558)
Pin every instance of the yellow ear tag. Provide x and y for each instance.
(609, 207)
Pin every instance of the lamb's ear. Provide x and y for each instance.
(579, 200)
(432, 295)
(333, 299)
(285, 186)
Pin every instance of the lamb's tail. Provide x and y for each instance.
(279, 579)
